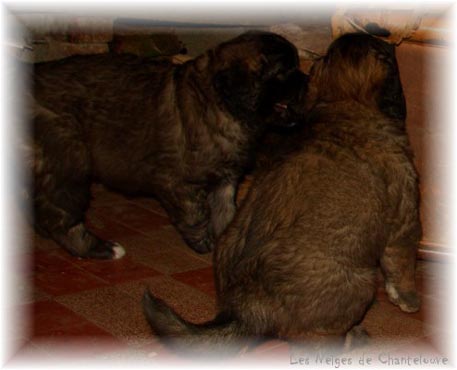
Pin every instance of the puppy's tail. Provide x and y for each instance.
(222, 336)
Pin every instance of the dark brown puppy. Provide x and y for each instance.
(184, 133)
(299, 260)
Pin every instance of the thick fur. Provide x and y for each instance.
(183, 133)
(299, 260)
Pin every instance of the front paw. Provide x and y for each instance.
(106, 250)
(407, 301)
(198, 236)
(202, 246)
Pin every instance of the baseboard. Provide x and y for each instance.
(431, 251)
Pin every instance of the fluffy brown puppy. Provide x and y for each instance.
(299, 260)
(183, 133)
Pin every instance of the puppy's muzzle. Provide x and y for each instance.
(282, 109)
(291, 107)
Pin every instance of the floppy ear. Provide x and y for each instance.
(391, 99)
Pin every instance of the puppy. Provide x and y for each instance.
(299, 260)
(183, 133)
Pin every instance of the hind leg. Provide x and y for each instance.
(356, 337)
(61, 187)
(398, 264)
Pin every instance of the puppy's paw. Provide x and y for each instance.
(106, 250)
(119, 251)
(407, 301)
(202, 246)
(82, 243)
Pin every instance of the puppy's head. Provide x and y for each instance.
(258, 79)
(359, 67)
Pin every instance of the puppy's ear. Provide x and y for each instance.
(393, 102)
(391, 99)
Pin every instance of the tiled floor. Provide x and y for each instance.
(90, 310)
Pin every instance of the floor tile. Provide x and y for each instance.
(53, 260)
(132, 216)
(66, 281)
(169, 236)
(161, 255)
(430, 307)
(429, 312)
(202, 279)
(187, 301)
(105, 228)
(79, 347)
(50, 317)
(174, 239)
(43, 243)
(116, 271)
(110, 309)
(387, 325)
(150, 204)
